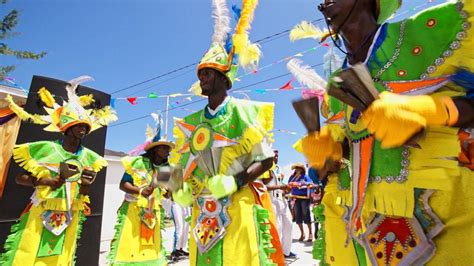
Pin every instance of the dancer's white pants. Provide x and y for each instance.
(181, 227)
(283, 220)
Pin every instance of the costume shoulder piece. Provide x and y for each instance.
(42, 158)
(243, 125)
(138, 167)
(415, 48)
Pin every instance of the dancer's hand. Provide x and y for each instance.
(84, 189)
(394, 119)
(54, 183)
(222, 185)
(184, 196)
(321, 146)
(146, 192)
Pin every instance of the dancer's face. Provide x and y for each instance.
(211, 81)
(275, 157)
(338, 11)
(160, 153)
(78, 131)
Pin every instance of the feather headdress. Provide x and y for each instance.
(152, 137)
(305, 30)
(307, 77)
(70, 113)
(226, 50)
(221, 21)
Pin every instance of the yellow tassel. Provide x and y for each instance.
(46, 97)
(246, 16)
(305, 30)
(22, 114)
(249, 54)
(99, 164)
(103, 117)
(21, 155)
(85, 100)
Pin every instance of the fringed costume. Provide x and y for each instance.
(411, 204)
(230, 228)
(137, 239)
(50, 226)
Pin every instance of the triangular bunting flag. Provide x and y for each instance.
(287, 86)
(152, 95)
(132, 100)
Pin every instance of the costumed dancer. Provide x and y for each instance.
(61, 173)
(273, 181)
(330, 245)
(137, 239)
(410, 202)
(224, 147)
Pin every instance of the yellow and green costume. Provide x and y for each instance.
(137, 239)
(50, 226)
(232, 230)
(412, 205)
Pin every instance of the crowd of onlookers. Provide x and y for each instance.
(293, 198)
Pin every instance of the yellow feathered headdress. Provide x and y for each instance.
(225, 48)
(72, 112)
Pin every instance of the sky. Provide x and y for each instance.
(124, 42)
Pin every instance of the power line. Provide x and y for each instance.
(261, 41)
(204, 99)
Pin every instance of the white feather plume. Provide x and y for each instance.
(306, 76)
(72, 86)
(221, 17)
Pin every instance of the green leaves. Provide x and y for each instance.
(8, 23)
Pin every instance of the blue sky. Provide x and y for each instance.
(123, 42)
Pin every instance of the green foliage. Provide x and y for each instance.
(8, 24)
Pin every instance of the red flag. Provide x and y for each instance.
(132, 100)
(325, 44)
(287, 86)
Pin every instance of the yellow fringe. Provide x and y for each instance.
(99, 164)
(46, 97)
(21, 155)
(180, 139)
(85, 100)
(432, 167)
(22, 114)
(251, 136)
(127, 163)
(103, 117)
(59, 204)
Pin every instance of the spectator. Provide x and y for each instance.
(301, 186)
(273, 181)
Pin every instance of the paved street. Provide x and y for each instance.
(302, 249)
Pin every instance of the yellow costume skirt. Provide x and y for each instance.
(127, 247)
(454, 245)
(239, 245)
(336, 253)
(23, 244)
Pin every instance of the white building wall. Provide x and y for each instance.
(112, 200)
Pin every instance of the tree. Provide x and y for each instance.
(8, 23)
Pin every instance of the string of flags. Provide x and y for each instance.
(188, 97)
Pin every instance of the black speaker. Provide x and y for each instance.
(16, 197)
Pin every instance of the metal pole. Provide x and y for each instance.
(166, 118)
